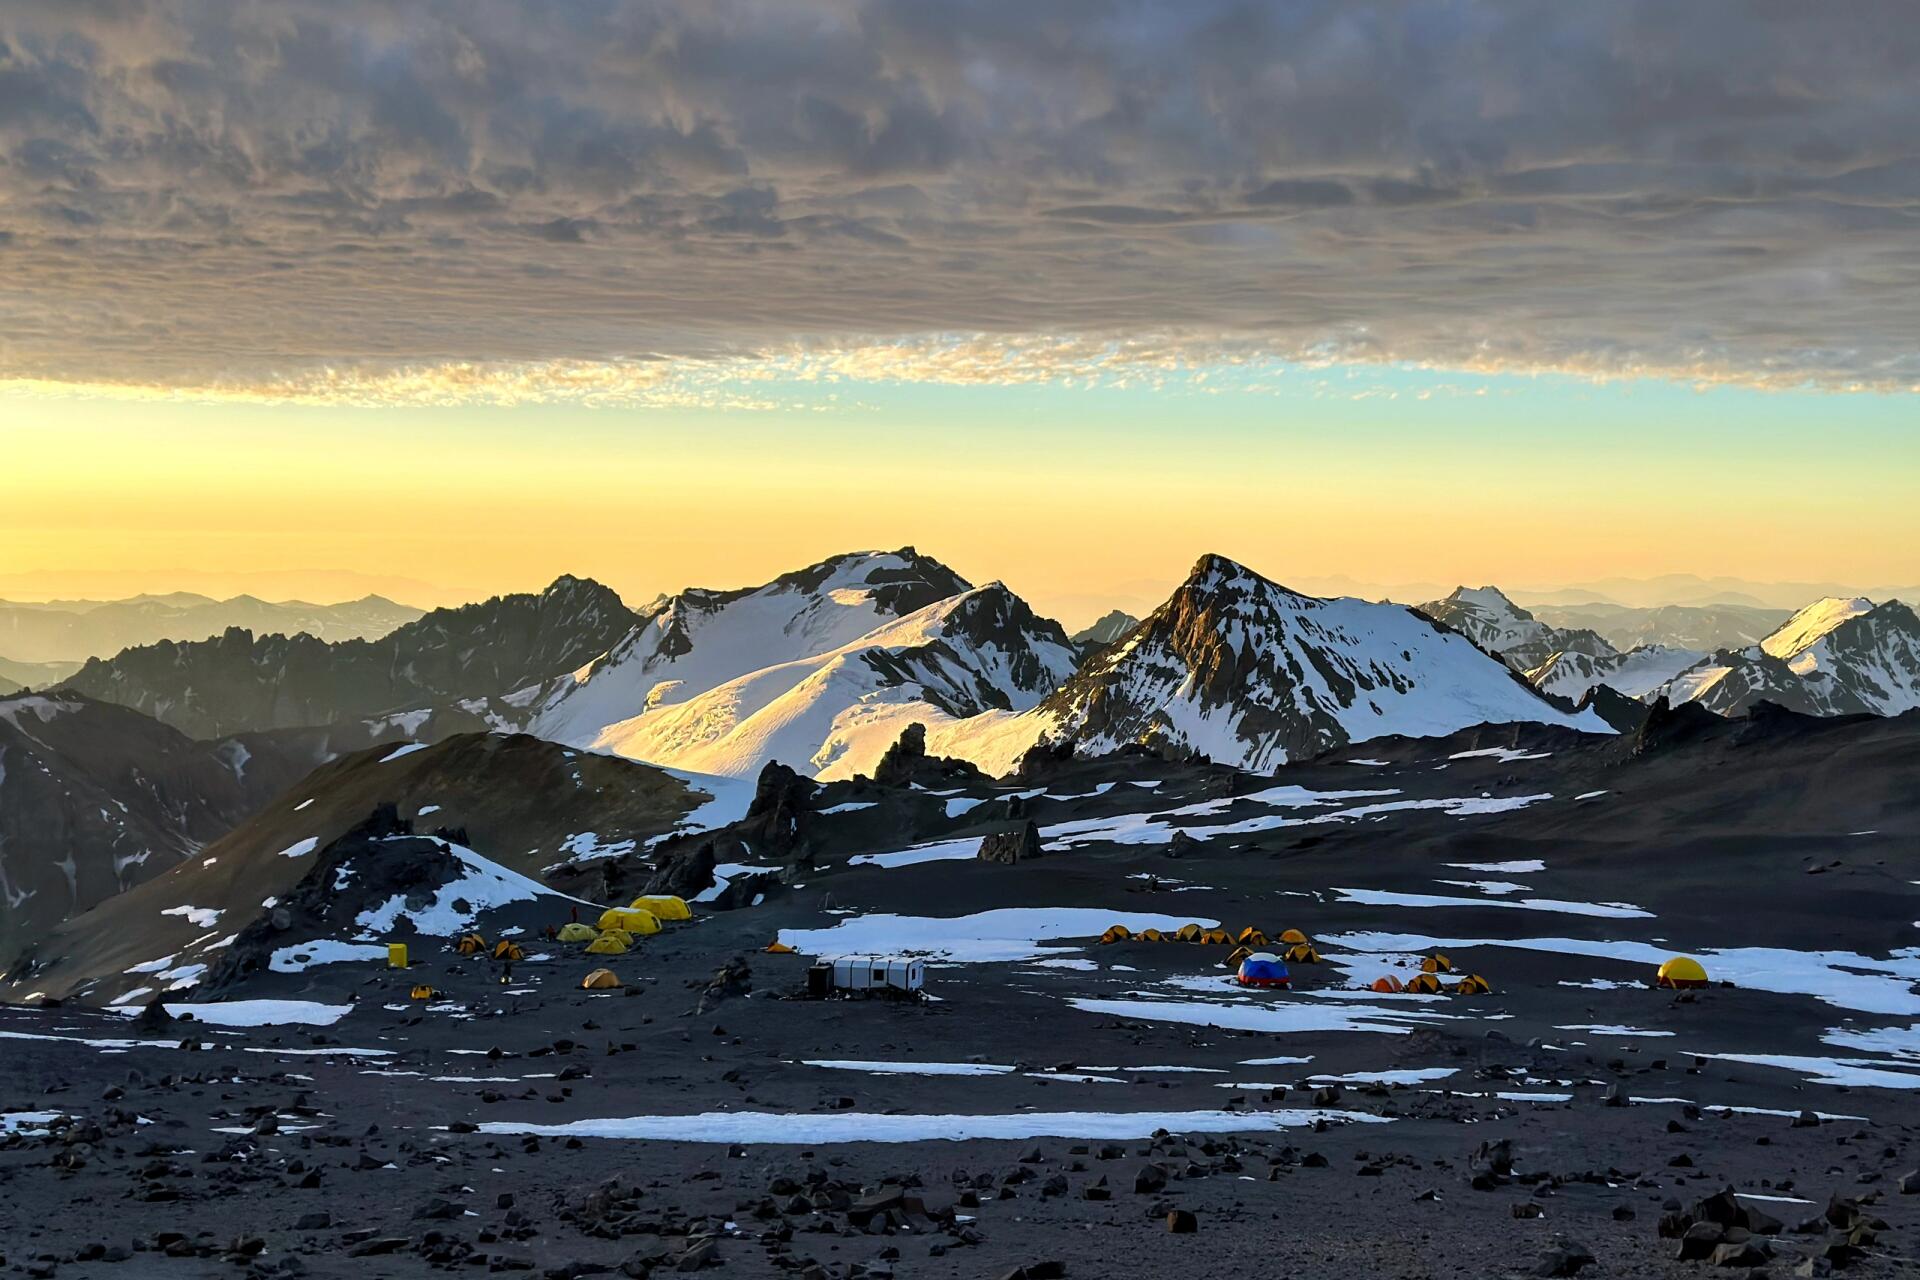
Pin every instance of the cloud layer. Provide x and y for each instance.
(505, 199)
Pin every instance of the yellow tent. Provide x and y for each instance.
(421, 993)
(1293, 937)
(1301, 953)
(1473, 985)
(611, 943)
(1251, 937)
(1238, 954)
(1436, 963)
(599, 980)
(506, 949)
(1424, 984)
(1681, 971)
(1116, 933)
(577, 932)
(663, 907)
(1151, 935)
(471, 944)
(1189, 933)
(778, 948)
(631, 919)
(1217, 938)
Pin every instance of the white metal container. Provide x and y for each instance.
(878, 973)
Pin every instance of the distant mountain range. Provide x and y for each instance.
(1704, 627)
(448, 663)
(1104, 631)
(71, 631)
(1841, 656)
(1837, 656)
(823, 668)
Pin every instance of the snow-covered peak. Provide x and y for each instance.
(1807, 627)
(1486, 616)
(1248, 672)
(694, 641)
(1831, 658)
(1488, 598)
(1635, 674)
(834, 713)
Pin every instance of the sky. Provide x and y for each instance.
(314, 297)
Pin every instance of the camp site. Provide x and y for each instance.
(963, 1021)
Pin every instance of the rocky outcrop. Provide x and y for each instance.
(907, 762)
(1021, 844)
(776, 822)
(685, 873)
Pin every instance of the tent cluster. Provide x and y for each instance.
(1294, 946)
(614, 932)
(1427, 982)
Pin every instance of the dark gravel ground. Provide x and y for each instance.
(369, 1164)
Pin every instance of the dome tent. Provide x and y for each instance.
(633, 920)
(663, 907)
(1681, 972)
(1263, 969)
(600, 980)
(577, 932)
(611, 943)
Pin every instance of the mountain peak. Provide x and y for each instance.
(1214, 572)
(1488, 597)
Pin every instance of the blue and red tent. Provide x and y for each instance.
(1263, 969)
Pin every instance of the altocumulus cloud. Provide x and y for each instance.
(671, 203)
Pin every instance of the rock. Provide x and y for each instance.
(1565, 1259)
(1149, 1179)
(685, 873)
(907, 762)
(1910, 1183)
(1181, 1222)
(319, 1220)
(1699, 1241)
(1018, 845)
(377, 1246)
(1743, 1253)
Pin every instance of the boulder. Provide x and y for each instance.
(1021, 844)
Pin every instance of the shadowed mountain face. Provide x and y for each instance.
(71, 631)
(451, 659)
(534, 806)
(95, 798)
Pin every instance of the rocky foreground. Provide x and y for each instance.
(1062, 1107)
